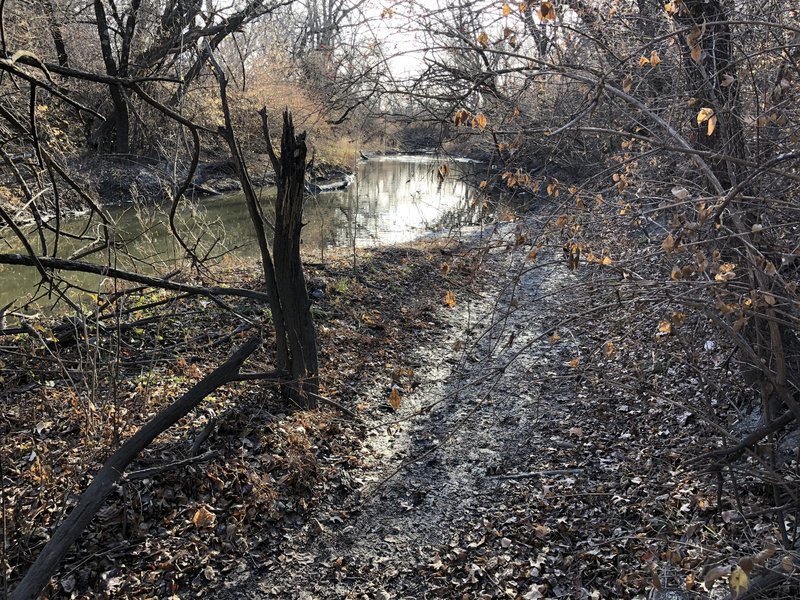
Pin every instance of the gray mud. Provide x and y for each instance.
(437, 463)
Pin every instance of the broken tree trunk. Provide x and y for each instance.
(256, 218)
(103, 483)
(295, 337)
(290, 169)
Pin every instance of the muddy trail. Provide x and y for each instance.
(476, 421)
(534, 458)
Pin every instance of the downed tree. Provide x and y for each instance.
(103, 483)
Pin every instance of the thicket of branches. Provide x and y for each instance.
(677, 125)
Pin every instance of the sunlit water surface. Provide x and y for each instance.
(392, 200)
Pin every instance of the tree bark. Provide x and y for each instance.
(121, 116)
(711, 75)
(55, 33)
(289, 276)
(254, 211)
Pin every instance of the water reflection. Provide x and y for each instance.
(393, 200)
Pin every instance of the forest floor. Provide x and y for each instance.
(502, 448)
(512, 465)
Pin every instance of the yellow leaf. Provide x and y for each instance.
(523, 7)
(574, 362)
(609, 348)
(704, 115)
(643, 61)
(554, 337)
(724, 276)
(547, 12)
(479, 121)
(697, 53)
(443, 171)
(655, 59)
(506, 9)
(574, 256)
(606, 261)
(712, 123)
(738, 581)
(676, 274)
(204, 518)
(483, 184)
(552, 188)
(450, 299)
(394, 397)
(664, 328)
(678, 318)
(483, 39)
(461, 117)
(668, 245)
(689, 581)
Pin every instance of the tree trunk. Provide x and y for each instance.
(711, 74)
(302, 339)
(121, 116)
(55, 33)
(295, 337)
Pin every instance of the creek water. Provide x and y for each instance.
(392, 200)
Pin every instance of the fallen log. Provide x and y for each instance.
(112, 471)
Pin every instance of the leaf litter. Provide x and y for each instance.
(497, 455)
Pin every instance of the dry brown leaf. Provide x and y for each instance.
(204, 518)
(394, 398)
(714, 574)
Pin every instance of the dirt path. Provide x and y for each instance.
(474, 417)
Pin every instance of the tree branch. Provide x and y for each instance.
(105, 271)
(103, 483)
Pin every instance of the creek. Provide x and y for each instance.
(391, 200)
